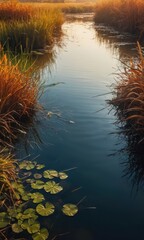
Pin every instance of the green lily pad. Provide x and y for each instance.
(4, 219)
(12, 212)
(25, 196)
(70, 209)
(37, 176)
(41, 235)
(30, 180)
(50, 174)
(52, 187)
(24, 224)
(22, 165)
(40, 166)
(16, 228)
(46, 210)
(27, 214)
(38, 184)
(28, 165)
(37, 197)
(33, 228)
(63, 175)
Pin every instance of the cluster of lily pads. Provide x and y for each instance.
(30, 202)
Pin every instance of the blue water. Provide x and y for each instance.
(82, 134)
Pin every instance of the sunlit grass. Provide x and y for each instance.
(124, 15)
(76, 7)
(18, 100)
(12, 10)
(29, 28)
(7, 175)
(128, 97)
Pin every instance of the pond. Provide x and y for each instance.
(80, 133)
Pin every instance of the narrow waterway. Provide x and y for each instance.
(82, 134)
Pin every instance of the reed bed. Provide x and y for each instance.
(30, 28)
(124, 15)
(86, 7)
(18, 100)
(128, 98)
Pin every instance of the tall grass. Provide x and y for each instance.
(7, 175)
(85, 7)
(128, 97)
(125, 15)
(29, 28)
(10, 11)
(18, 100)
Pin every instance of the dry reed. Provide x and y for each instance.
(8, 175)
(18, 100)
(11, 11)
(125, 15)
(128, 97)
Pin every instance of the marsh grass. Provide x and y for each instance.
(128, 98)
(7, 176)
(18, 100)
(12, 10)
(29, 28)
(125, 15)
(85, 7)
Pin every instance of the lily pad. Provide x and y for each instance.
(30, 180)
(24, 224)
(26, 196)
(4, 219)
(33, 228)
(27, 214)
(63, 175)
(37, 197)
(46, 210)
(41, 235)
(50, 174)
(40, 166)
(52, 187)
(28, 165)
(70, 209)
(37, 176)
(38, 184)
(16, 228)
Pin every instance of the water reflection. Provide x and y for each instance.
(133, 165)
(121, 44)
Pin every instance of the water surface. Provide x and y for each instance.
(82, 134)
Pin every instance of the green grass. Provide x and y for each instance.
(35, 32)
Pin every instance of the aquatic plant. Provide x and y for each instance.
(31, 202)
(128, 99)
(18, 100)
(125, 15)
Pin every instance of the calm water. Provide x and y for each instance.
(80, 135)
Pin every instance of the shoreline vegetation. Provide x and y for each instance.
(123, 15)
(25, 29)
(128, 98)
(128, 93)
